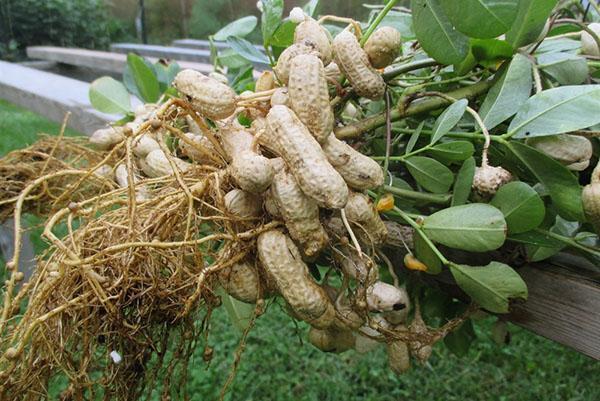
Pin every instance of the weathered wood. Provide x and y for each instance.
(563, 303)
(52, 96)
(99, 60)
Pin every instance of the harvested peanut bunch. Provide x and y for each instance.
(333, 182)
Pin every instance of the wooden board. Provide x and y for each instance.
(563, 305)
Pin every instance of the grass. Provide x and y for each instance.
(19, 127)
(276, 365)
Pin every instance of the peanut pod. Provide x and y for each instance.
(305, 158)
(283, 263)
(242, 281)
(354, 63)
(359, 171)
(106, 138)
(312, 33)
(211, 98)
(195, 153)
(243, 204)
(572, 151)
(331, 340)
(249, 170)
(361, 211)
(383, 46)
(156, 164)
(300, 214)
(384, 297)
(309, 95)
(282, 68)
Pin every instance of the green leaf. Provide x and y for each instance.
(559, 45)
(529, 21)
(537, 239)
(455, 151)
(426, 255)
(270, 19)
(247, 50)
(508, 94)
(310, 7)
(144, 77)
(562, 185)
(464, 182)
(284, 35)
(240, 28)
(522, 206)
(166, 73)
(430, 174)
(448, 119)
(414, 138)
(109, 96)
(459, 340)
(539, 252)
(476, 227)
(491, 286)
(436, 34)
(565, 68)
(558, 110)
(481, 18)
(401, 21)
(230, 59)
(239, 313)
(491, 50)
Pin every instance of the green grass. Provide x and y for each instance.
(277, 366)
(20, 128)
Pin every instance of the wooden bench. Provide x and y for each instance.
(52, 95)
(98, 60)
(171, 53)
(204, 44)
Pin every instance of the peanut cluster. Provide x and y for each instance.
(288, 166)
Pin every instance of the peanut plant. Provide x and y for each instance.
(359, 163)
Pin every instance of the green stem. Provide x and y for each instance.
(417, 228)
(427, 105)
(569, 241)
(393, 72)
(441, 199)
(377, 21)
(403, 157)
(460, 135)
(593, 63)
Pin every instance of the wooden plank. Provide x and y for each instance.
(52, 96)
(563, 303)
(99, 60)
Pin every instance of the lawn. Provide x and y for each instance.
(276, 365)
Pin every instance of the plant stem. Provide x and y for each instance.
(377, 21)
(354, 130)
(569, 241)
(417, 228)
(461, 135)
(402, 68)
(407, 193)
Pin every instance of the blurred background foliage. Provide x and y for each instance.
(94, 24)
